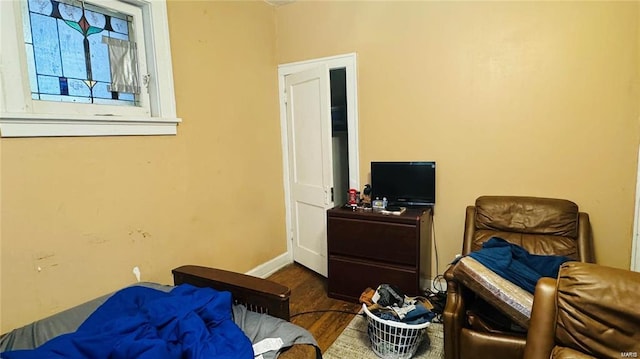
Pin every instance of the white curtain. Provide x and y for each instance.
(124, 65)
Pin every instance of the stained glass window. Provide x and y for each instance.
(80, 52)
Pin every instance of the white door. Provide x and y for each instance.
(310, 164)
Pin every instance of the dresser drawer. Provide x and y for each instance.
(349, 278)
(373, 240)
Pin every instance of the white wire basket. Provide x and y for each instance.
(393, 340)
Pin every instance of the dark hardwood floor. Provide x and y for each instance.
(309, 294)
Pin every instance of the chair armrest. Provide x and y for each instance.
(469, 229)
(542, 326)
(585, 239)
(257, 294)
(453, 315)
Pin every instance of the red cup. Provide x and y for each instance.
(353, 197)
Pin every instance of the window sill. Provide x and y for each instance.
(23, 125)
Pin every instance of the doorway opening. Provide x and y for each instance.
(339, 135)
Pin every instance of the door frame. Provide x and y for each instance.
(348, 62)
(635, 241)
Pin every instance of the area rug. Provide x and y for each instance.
(353, 343)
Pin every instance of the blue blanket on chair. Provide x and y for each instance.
(140, 322)
(515, 264)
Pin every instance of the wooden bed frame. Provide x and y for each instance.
(257, 294)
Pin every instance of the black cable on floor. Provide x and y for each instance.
(323, 311)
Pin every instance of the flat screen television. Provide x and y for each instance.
(404, 183)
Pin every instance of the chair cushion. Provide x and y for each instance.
(531, 215)
(544, 226)
(505, 296)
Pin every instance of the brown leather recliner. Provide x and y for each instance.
(541, 226)
(590, 311)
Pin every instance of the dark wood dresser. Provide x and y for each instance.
(366, 249)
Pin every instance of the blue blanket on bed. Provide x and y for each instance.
(140, 322)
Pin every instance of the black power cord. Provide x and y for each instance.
(323, 311)
(438, 296)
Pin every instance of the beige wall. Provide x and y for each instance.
(526, 98)
(79, 213)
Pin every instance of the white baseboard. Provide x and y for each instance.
(268, 268)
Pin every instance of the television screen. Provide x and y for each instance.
(404, 183)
